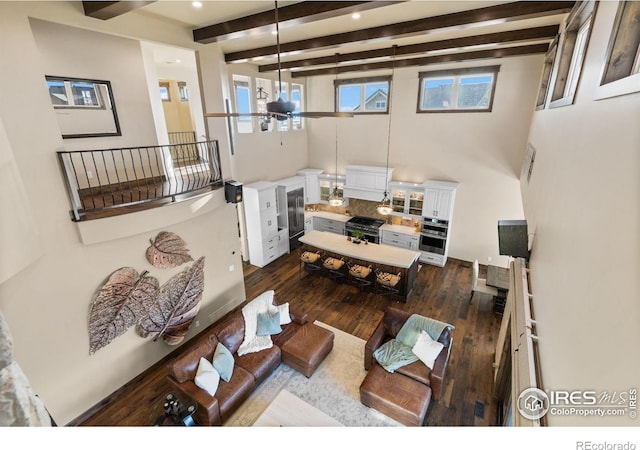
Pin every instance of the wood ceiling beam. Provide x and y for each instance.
(411, 62)
(109, 10)
(459, 20)
(503, 37)
(296, 14)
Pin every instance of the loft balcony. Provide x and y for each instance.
(104, 183)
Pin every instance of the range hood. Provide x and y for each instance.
(366, 182)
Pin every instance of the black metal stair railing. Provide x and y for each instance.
(99, 180)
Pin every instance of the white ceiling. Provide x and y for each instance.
(213, 12)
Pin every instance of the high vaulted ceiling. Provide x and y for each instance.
(323, 37)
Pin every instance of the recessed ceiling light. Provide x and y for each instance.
(196, 4)
(355, 16)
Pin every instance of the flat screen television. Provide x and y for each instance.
(513, 238)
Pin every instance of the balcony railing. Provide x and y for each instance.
(115, 181)
(188, 153)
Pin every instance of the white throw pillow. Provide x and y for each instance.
(207, 377)
(285, 317)
(259, 305)
(427, 349)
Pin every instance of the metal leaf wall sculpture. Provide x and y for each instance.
(168, 250)
(120, 303)
(176, 306)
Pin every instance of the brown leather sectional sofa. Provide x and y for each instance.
(301, 344)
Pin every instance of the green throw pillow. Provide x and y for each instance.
(268, 324)
(223, 362)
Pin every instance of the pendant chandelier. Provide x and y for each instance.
(335, 199)
(384, 207)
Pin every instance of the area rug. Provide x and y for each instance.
(334, 388)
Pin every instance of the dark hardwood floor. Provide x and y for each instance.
(441, 293)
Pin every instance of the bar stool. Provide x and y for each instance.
(333, 268)
(359, 276)
(386, 283)
(311, 262)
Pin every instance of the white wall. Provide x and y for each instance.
(46, 304)
(583, 203)
(481, 151)
(72, 52)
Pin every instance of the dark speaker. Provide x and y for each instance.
(233, 191)
(513, 238)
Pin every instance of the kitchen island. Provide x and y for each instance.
(380, 256)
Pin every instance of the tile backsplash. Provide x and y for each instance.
(364, 208)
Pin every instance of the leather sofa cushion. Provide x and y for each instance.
(231, 395)
(287, 332)
(185, 366)
(417, 371)
(394, 319)
(231, 332)
(260, 364)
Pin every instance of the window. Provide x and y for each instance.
(183, 90)
(74, 93)
(458, 90)
(574, 41)
(546, 74)
(164, 92)
(296, 98)
(282, 91)
(243, 96)
(363, 95)
(621, 74)
(84, 108)
(264, 94)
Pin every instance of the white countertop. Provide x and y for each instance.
(376, 253)
(402, 229)
(327, 215)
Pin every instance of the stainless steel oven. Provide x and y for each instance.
(433, 237)
(367, 226)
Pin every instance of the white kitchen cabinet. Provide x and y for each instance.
(367, 182)
(261, 213)
(433, 259)
(312, 185)
(308, 224)
(439, 197)
(399, 239)
(407, 199)
(329, 225)
(326, 184)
